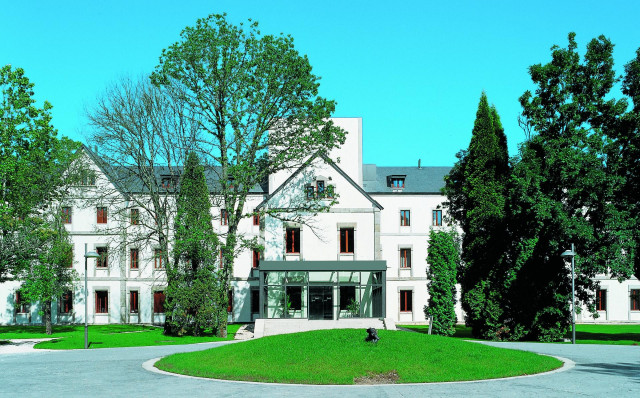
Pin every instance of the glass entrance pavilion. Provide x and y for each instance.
(322, 289)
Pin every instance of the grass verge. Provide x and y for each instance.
(105, 336)
(343, 357)
(585, 333)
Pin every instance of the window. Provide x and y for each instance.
(347, 295)
(65, 304)
(310, 192)
(157, 259)
(330, 192)
(405, 258)
(133, 302)
(135, 216)
(103, 260)
(346, 240)
(293, 240)
(294, 297)
(133, 258)
(256, 259)
(255, 301)
(87, 177)
(256, 219)
(320, 189)
(102, 302)
(158, 302)
(22, 306)
(437, 218)
(406, 304)
(66, 215)
(102, 215)
(601, 300)
(224, 217)
(397, 182)
(168, 181)
(634, 300)
(405, 218)
(230, 300)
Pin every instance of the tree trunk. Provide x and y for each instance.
(47, 316)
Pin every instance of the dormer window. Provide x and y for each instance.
(310, 192)
(320, 189)
(396, 181)
(169, 181)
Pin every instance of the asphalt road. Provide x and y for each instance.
(599, 371)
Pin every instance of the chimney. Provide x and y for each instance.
(419, 161)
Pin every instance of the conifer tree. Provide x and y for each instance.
(443, 259)
(194, 289)
(477, 199)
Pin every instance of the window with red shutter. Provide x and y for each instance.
(133, 301)
(406, 301)
(101, 215)
(158, 302)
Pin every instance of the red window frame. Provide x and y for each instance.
(101, 215)
(135, 216)
(601, 300)
(405, 258)
(102, 301)
(157, 259)
(134, 258)
(134, 302)
(405, 218)
(397, 182)
(224, 217)
(158, 302)
(230, 300)
(347, 239)
(292, 240)
(66, 215)
(634, 299)
(255, 259)
(21, 305)
(320, 189)
(65, 305)
(406, 300)
(437, 218)
(256, 219)
(103, 260)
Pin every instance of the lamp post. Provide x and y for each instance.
(86, 295)
(571, 253)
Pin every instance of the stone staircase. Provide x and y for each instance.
(270, 327)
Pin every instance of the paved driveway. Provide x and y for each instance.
(600, 371)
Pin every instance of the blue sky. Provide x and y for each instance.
(413, 70)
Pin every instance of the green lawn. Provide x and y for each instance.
(585, 333)
(104, 336)
(343, 357)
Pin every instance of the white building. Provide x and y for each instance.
(365, 257)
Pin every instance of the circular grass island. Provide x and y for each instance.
(341, 356)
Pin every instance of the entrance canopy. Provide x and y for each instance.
(328, 290)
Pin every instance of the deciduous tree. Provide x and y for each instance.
(256, 99)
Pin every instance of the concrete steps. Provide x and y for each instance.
(270, 327)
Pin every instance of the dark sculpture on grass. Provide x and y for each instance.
(372, 335)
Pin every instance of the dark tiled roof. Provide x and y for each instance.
(417, 180)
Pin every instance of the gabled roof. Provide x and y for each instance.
(335, 167)
(417, 180)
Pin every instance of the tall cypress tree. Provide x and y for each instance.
(477, 192)
(194, 297)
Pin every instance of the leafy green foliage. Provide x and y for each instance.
(34, 164)
(476, 189)
(256, 99)
(443, 260)
(196, 297)
(341, 356)
(564, 190)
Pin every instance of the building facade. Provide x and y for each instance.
(365, 257)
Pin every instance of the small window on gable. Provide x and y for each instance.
(330, 192)
(320, 189)
(310, 192)
(396, 181)
(87, 178)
